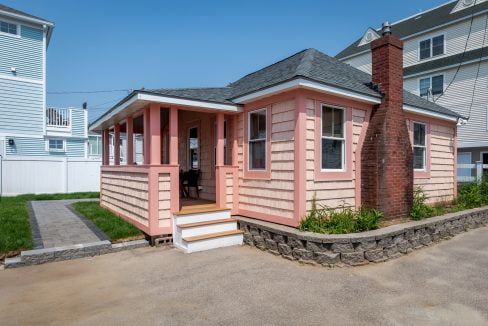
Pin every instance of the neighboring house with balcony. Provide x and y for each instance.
(34, 136)
(446, 61)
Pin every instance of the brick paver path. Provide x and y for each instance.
(58, 226)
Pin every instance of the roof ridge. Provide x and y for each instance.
(306, 63)
(187, 88)
(22, 13)
(271, 65)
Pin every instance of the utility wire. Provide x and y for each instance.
(462, 57)
(90, 92)
(479, 66)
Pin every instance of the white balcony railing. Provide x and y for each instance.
(58, 119)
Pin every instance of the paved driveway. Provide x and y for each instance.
(446, 284)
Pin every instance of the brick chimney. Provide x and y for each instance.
(387, 159)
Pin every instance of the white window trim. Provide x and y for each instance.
(53, 150)
(344, 130)
(424, 147)
(431, 47)
(487, 118)
(430, 77)
(98, 143)
(13, 23)
(249, 141)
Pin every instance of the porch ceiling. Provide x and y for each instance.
(137, 100)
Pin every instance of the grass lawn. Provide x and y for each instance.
(15, 230)
(113, 226)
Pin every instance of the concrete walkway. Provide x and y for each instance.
(56, 225)
(445, 284)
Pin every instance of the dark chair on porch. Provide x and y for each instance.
(190, 179)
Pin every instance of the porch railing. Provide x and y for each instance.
(471, 172)
(58, 118)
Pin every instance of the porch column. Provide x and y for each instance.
(117, 144)
(105, 148)
(155, 134)
(130, 141)
(147, 133)
(234, 141)
(173, 136)
(219, 161)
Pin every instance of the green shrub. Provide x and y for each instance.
(470, 196)
(420, 209)
(339, 221)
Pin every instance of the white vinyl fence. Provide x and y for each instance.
(471, 172)
(21, 175)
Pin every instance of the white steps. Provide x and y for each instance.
(206, 229)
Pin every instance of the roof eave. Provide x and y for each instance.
(432, 114)
(46, 24)
(302, 82)
(145, 97)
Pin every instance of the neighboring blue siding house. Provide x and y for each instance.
(27, 126)
(42, 149)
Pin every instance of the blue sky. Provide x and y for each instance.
(111, 45)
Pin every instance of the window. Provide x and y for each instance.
(333, 140)
(257, 140)
(438, 45)
(431, 47)
(431, 86)
(419, 146)
(56, 145)
(94, 145)
(8, 28)
(193, 147)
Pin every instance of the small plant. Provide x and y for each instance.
(368, 219)
(339, 221)
(420, 209)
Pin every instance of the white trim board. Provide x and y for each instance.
(304, 83)
(164, 100)
(22, 79)
(432, 114)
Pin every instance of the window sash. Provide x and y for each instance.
(437, 85)
(332, 139)
(8, 28)
(438, 45)
(424, 49)
(419, 145)
(431, 47)
(56, 145)
(257, 144)
(424, 87)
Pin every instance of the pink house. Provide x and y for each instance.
(266, 145)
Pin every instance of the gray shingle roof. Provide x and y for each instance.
(419, 23)
(310, 64)
(18, 12)
(208, 94)
(421, 103)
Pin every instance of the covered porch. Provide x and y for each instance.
(160, 142)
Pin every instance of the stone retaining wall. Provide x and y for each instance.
(46, 255)
(358, 248)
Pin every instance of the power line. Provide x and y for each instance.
(462, 57)
(479, 66)
(90, 92)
